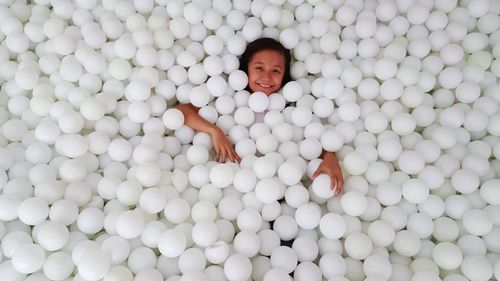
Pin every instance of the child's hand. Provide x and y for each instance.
(223, 147)
(330, 166)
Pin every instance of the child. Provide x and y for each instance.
(267, 64)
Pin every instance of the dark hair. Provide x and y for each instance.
(266, 44)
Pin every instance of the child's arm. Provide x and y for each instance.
(330, 165)
(223, 147)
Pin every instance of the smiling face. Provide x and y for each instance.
(266, 70)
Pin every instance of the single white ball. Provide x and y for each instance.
(355, 163)
(237, 268)
(221, 175)
(407, 243)
(217, 253)
(358, 246)
(238, 80)
(284, 258)
(410, 162)
(271, 15)
(331, 141)
(476, 267)
(247, 243)
(321, 187)
(33, 211)
(415, 191)
(52, 236)
(378, 266)
(490, 191)
(290, 173)
(204, 233)
(258, 102)
(465, 180)
(308, 216)
(381, 233)
(447, 255)
(177, 210)
(292, 91)
(28, 258)
(130, 224)
(332, 226)
(94, 265)
(58, 266)
(353, 203)
(268, 190)
(477, 222)
(172, 243)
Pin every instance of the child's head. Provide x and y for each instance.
(267, 64)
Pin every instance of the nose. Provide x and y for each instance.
(267, 75)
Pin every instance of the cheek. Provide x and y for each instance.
(278, 80)
(252, 76)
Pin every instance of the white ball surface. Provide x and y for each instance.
(172, 243)
(358, 246)
(173, 119)
(332, 226)
(237, 268)
(94, 265)
(28, 258)
(221, 175)
(353, 203)
(447, 255)
(321, 187)
(355, 163)
(308, 216)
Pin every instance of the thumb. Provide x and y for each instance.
(316, 173)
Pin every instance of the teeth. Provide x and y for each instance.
(264, 86)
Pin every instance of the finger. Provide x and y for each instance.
(340, 182)
(316, 173)
(333, 183)
(235, 157)
(217, 153)
(338, 187)
(222, 158)
(338, 190)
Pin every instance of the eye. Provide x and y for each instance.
(277, 71)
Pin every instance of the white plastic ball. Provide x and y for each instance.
(477, 222)
(237, 80)
(33, 211)
(292, 91)
(308, 216)
(221, 175)
(94, 265)
(172, 243)
(130, 224)
(204, 234)
(355, 163)
(28, 258)
(358, 246)
(258, 102)
(237, 268)
(353, 203)
(476, 268)
(447, 255)
(407, 243)
(332, 226)
(58, 266)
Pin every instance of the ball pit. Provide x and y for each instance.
(100, 179)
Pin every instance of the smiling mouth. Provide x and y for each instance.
(266, 86)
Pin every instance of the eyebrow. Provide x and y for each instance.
(260, 62)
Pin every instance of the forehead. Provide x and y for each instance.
(268, 56)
